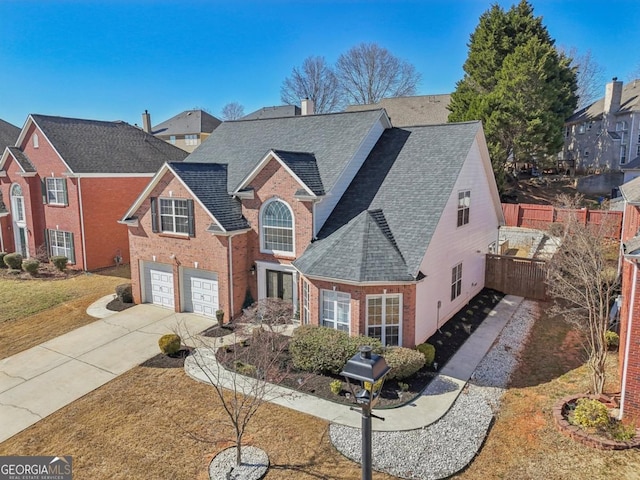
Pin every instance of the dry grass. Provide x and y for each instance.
(36, 310)
(523, 443)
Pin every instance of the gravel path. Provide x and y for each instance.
(449, 445)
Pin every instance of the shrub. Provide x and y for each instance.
(404, 387)
(621, 432)
(31, 266)
(336, 387)
(2, 264)
(612, 339)
(60, 262)
(325, 350)
(123, 292)
(404, 362)
(170, 343)
(429, 352)
(13, 261)
(591, 413)
(245, 368)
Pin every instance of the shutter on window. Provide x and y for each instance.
(154, 215)
(72, 250)
(43, 182)
(46, 242)
(192, 230)
(64, 192)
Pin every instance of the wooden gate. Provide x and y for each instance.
(524, 277)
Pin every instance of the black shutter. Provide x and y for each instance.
(154, 215)
(64, 190)
(43, 182)
(192, 230)
(72, 251)
(46, 242)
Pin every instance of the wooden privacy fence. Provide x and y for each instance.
(541, 217)
(524, 277)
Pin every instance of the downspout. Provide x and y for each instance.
(230, 279)
(84, 247)
(627, 345)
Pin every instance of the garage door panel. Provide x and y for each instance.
(159, 285)
(201, 292)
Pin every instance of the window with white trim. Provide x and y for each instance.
(623, 154)
(191, 139)
(17, 202)
(336, 310)
(582, 127)
(36, 141)
(61, 244)
(306, 317)
(464, 202)
(172, 139)
(174, 215)
(56, 191)
(456, 281)
(638, 150)
(384, 318)
(276, 227)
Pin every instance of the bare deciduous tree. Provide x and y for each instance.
(590, 76)
(583, 281)
(367, 73)
(316, 81)
(232, 111)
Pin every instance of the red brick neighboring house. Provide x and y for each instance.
(8, 136)
(66, 183)
(364, 227)
(629, 353)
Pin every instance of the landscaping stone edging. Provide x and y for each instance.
(576, 433)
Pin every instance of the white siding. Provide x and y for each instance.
(328, 203)
(451, 245)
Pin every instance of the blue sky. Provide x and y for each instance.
(113, 59)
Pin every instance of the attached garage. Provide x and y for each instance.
(199, 291)
(157, 279)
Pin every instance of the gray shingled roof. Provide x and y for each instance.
(8, 135)
(208, 182)
(274, 112)
(304, 165)
(92, 146)
(22, 159)
(630, 101)
(631, 191)
(187, 122)
(409, 176)
(242, 144)
(632, 165)
(632, 246)
(411, 111)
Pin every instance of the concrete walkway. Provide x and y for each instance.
(37, 382)
(425, 410)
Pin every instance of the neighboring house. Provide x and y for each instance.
(8, 136)
(67, 181)
(364, 227)
(605, 136)
(407, 111)
(631, 170)
(186, 130)
(274, 112)
(629, 352)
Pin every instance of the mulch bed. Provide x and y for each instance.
(449, 338)
(220, 331)
(117, 305)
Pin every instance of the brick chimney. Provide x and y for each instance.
(613, 96)
(146, 121)
(307, 107)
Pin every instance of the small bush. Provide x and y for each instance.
(404, 387)
(245, 368)
(31, 266)
(2, 264)
(429, 352)
(621, 432)
(60, 262)
(13, 261)
(170, 343)
(404, 362)
(325, 350)
(591, 413)
(612, 339)
(336, 387)
(123, 292)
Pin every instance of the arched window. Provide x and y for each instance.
(277, 227)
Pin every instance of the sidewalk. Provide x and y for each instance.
(425, 410)
(38, 381)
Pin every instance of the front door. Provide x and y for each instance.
(280, 285)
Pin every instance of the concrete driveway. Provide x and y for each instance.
(37, 382)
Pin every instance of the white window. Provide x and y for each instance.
(191, 139)
(306, 318)
(623, 138)
(464, 201)
(336, 310)
(456, 281)
(623, 154)
(581, 128)
(174, 215)
(621, 127)
(56, 191)
(36, 141)
(384, 318)
(61, 244)
(17, 202)
(172, 139)
(277, 227)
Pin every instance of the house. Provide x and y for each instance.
(66, 182)
(605, 135)
(8, 136)
(186, 130)
(408, 111)
(364, 227)
(629, 351)
(274, 112)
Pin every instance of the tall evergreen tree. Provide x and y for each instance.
(518, 84)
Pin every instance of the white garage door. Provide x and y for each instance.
(161, 288)
(200, 291)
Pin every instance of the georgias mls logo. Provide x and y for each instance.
(35, 468)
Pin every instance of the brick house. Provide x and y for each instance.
(8, 136)
(187, 130)
(67, 181)
(364, 227)
(629, 353)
